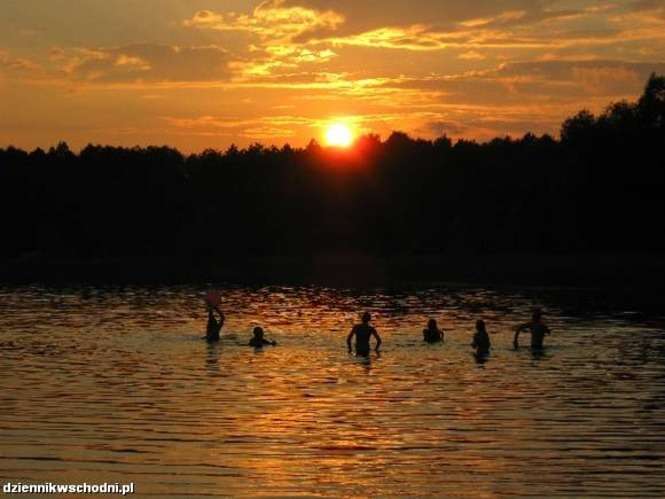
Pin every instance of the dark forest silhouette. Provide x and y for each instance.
(599, 188)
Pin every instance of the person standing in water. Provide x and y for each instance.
(536, 327)
(363, 332)
(258, 341)
(481, 340)
(214, 325)
(432, 334)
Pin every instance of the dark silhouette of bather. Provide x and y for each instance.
(481, 340)
(536, 327)
(214, 325)
(432, 334)
(363, 332)
(258, 341)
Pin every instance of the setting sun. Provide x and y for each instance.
(339, 135)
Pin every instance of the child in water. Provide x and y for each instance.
(258, 340)
(432, 334)
(481, 340)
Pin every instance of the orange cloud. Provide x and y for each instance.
(271, 20)
(17, 65)
(146, 62)
(471, 55)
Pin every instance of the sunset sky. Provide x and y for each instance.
(207, 73)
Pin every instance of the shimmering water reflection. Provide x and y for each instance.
(117, 385)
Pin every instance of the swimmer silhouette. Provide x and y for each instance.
(432, 334)
(258, 340)
(536, 327)
(481, 340)
(363, 332)
(214, 325)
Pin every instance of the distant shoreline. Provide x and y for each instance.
(594, 270)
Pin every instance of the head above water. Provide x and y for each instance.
(366, 317)
(258, 332)
(431, 324)
(480, 325)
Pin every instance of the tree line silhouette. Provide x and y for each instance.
(599, 188)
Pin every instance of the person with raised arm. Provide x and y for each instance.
(536, 327)
(214, 326)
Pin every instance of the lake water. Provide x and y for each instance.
(116, 385)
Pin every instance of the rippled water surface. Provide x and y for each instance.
(106, 385)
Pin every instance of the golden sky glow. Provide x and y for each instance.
(339, 135)
(208, 73)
